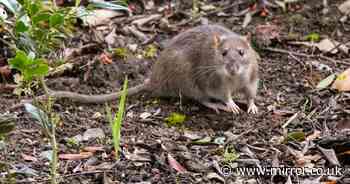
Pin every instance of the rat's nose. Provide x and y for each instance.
(233, 68)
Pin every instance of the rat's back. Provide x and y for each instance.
(173, 73)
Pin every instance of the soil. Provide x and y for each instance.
(286, 90)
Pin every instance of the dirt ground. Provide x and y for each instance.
(286, 92)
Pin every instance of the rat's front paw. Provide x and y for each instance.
(252, 109)
(231, 105)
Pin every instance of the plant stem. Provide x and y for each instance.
(54, 154)
(43, 84)
(52, 135)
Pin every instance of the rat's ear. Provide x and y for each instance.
(218, 40)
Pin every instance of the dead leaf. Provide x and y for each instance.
(175, 164)
(105, 59)
(247, 19)
(60, 69)
(213, 175)
(330, 182)
(343, 125)
(208, 7)
(82, 155)
(5, 71)
(327, 45)
(93, 149)
(138, 155)
(345, 153)
(326, 82)
(342, 83)
(111, 38)
(330, 155)
(29, 158)
(312, 181)
(100, 16)
(313, 136)
(345, 7)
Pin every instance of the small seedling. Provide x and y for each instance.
(116, 122)
(298, 136)
(150, 51)
(121, 52)
(230, 154)
(313, 37)
(175, 119)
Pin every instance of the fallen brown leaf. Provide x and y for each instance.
(29, 157)
(314, 136)
(105, 59)
(175, 164)
(82, 155)
(5, 71)
(342, 83)
(93, 149)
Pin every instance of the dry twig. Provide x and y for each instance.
(305, 55)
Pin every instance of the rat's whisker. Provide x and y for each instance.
(201, 72)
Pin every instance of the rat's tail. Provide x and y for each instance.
(95, 99)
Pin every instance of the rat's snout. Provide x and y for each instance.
(233, 68)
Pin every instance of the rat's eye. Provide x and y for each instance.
(224, 53)
(241, 52)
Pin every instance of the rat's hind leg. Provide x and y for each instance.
(229, 107)
(215, 106)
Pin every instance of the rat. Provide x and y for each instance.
(207, 63)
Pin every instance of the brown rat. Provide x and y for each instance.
(205, 63)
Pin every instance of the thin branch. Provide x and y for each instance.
(305, 55)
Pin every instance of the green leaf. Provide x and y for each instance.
(28, 67)
(296, 136)
(39, 67)
(175, 119)
(150, 52)
(314, 37)
(230, 154)
(56, 20)
(21, 27)
(121, 52)
(116, 123)
(40, 17)
(33, 8)
(20, 61)
(326, 82)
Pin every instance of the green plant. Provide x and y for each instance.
(116, 121)
(47, 120)
(121, 52)
(314, 37)
(230, 154)
(31, 69)
(150, 51)
(175, 119)
(41, 26)
(29, 66)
